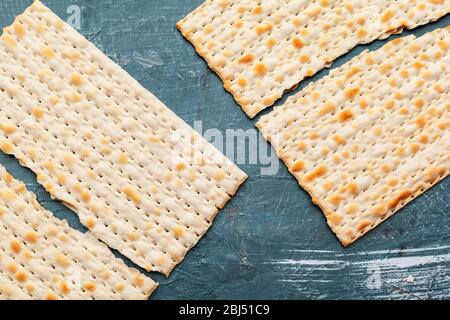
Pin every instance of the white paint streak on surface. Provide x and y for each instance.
(408, 262)
(305, 281)
(391, 267)
(308, 262)
(400, 262)
(397, 251)
(147, 59)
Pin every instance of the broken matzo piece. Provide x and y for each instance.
(41, 257)
(263, 48)
(373, 135)
(139, 177)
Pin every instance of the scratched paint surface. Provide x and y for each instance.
(270, 242)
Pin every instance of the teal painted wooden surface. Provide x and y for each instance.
(269, 242)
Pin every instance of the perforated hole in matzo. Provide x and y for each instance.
(373, 135)
(263, 48)
(139, 178)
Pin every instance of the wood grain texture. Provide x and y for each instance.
(269, 235)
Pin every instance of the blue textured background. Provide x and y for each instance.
(269, 242)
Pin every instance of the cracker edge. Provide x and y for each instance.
(219, 208)
(244, 107)
(203, 55)
(201, 236)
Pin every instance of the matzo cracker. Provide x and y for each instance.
(263, 48)
(373, 135)
(139, 178)
(41, 257)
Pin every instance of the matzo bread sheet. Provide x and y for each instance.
(41, 257)
(263, 48)
(140, 178)
(371, 136)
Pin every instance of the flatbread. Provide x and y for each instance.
(138, 176)
(263, 48)
(41, 257)
(371, 136)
